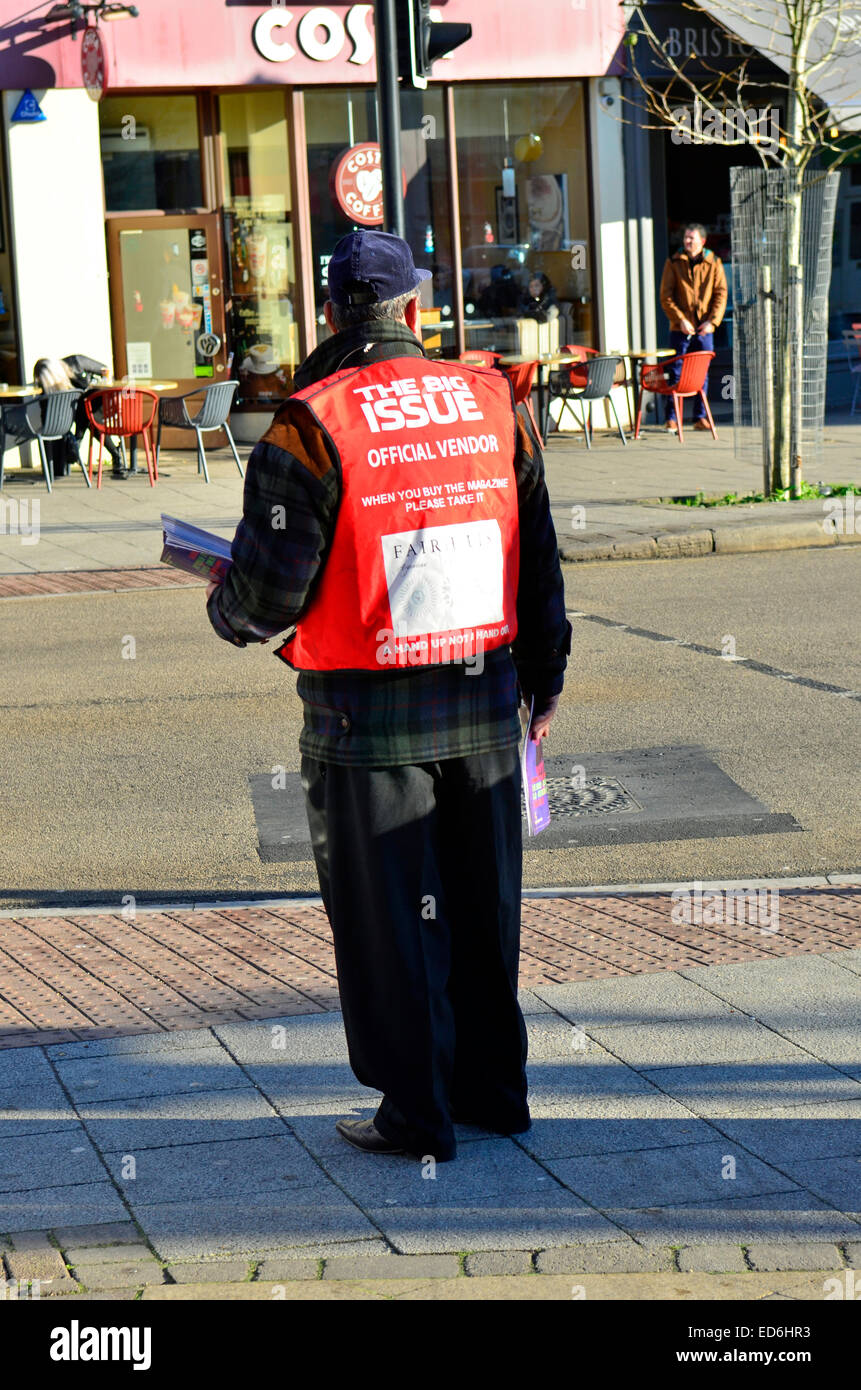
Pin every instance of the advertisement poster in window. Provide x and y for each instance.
(547, 211)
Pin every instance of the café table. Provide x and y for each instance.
(637, 357)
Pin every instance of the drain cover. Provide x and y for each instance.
(597, 796)
(636, 796)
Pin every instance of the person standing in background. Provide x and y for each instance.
(693, 297)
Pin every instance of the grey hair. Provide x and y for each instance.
(695, 227)
(353, 315)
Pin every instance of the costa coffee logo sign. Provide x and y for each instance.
(321, 34)
(358, 184)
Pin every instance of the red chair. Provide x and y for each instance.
(694, 367)
(123, 413)
(522, 380)
(479, 357)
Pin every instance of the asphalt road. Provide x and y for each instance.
(130, 775)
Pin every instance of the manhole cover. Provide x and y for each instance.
(598, 796)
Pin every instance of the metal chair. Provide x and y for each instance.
(599, 374)
(122, 414)
(852, 344)
(212, 415)
(15, 431)
(561, 381)
(692, 374)
(47, 418)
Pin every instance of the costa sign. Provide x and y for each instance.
(321, 34)
(358, 184)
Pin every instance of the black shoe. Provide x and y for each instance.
(119, 472)
(363, 1134)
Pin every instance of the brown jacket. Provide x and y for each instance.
(695, 292)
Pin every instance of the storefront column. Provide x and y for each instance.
(454, 205)
(608, 205)
(301, 201)
(57, 226)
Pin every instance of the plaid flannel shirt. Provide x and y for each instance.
(395, 716)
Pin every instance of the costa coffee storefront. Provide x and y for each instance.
(237, 143)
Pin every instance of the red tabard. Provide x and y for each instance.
(423, 566)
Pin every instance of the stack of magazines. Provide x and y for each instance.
(197, 552)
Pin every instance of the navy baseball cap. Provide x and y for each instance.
(368, 266)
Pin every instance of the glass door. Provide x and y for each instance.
(167, 300)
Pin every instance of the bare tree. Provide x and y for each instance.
(816, 45)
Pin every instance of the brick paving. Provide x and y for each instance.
(94, 581)
(82, 976)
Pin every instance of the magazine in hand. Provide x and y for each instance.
(188, 548)
(534, 781)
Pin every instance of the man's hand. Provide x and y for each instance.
(542, 718)
(707, 327)
(687, 327)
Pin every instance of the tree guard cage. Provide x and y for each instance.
(793, 337)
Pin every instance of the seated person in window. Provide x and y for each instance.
(539, 299)
(500, 299)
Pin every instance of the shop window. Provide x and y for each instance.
(338, 122)
(261, 318)
(150, 153)
(524, 213)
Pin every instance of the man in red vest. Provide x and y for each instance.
(396, 516)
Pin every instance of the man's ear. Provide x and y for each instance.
(327, 310)
(413, 317)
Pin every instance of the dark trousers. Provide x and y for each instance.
(420, 873)
(680, 342)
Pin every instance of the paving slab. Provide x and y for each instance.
(716, 1258)
(305, 1259)
(665, 997)
(182, 1040)
(665, 1177)
(125, 1252)
(35, 1257)
(149, 1074)
(392, 1267)
(754, 1090)
(49, 1208)
(216, 1272)
(111, 1233)
(34, 1162)
(614, 1124)
(613, 1257)
(253, 1224)
(555, 1219)
(735, 1038)
(784, 1215)
(27, 1109)
(785, 991)
(495, 1262)
(219, 1169)
(489, 1169)
(836, 1180)
(831, 1129)
(24, 1066)
(810, 1255)
(148, 1122)
(287, 1040)
(119, 1276)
